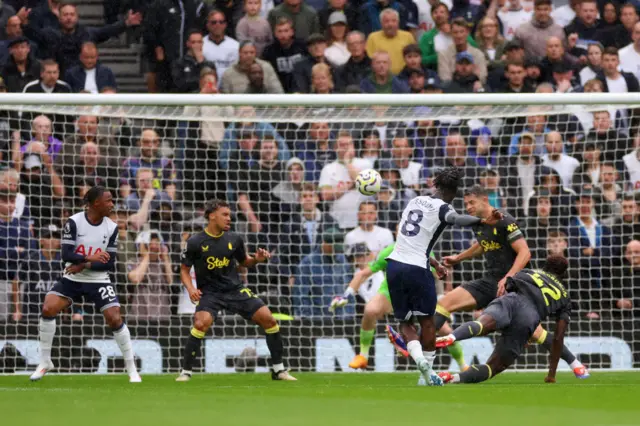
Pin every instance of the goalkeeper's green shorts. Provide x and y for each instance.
(384, 286)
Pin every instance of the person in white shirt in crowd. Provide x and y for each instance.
(218, 48)
(368, 232)
(89, 76)
(630, 55)
(337, 179)
(563, 15)
(614, 80)
(594, 63)
(337, 53)
(632, 167)
(401, 154)
(555, 159)
(512, 17)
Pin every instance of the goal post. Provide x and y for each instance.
(566, 166)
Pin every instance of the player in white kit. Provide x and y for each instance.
(89, 244)
(411, 284)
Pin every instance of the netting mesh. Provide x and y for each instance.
(570, 174)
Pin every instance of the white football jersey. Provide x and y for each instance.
(422, 223)
(88, 239)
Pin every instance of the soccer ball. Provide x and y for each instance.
(368, 182)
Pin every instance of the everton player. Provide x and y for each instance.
(89, 243)
(215, 254)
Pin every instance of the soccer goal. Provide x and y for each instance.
(567, 167)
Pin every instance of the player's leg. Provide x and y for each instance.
(202, 321)
(542, 337)
(264, 318)
(458, 300)
(53, 304)
(122, 336)
(484, 325)
(478, 373)
(455, 350)
(374, 310)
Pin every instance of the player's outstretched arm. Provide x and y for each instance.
(556, 350)
(260, 256)
(474, 251)
(358, 279)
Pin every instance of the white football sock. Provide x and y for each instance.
(47, 329)
(278, 367)
(576, 364)
(123, 339)
(415, 350)
(456, 379)
(430, 356)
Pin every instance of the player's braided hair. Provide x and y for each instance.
(212, 206)
(448, 179)
(93, 194)
(556, 265)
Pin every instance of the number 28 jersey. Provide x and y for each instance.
(422, 223)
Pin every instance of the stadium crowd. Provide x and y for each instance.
(571, 178)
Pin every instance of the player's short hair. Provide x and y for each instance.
(556, 265)
(93, 194)
(449, 179)
(476, 190)
(214, 205)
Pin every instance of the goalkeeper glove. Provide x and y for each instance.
(341, 301)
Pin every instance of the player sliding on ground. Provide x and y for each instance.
(215, 254)
(378, 307)
(532, 296)
(506, 253)
(89, 244)
(411, 284)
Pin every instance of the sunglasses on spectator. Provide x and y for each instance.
(218, 22)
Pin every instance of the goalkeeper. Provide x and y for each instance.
(377, 307)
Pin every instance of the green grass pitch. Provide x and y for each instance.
(520, 399)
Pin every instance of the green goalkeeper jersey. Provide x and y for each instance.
(380, 264)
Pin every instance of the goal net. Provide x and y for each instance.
(566, 167)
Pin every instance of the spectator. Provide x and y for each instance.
(413, 60)
(321, 80)
(63, 42)
(218, 48)
(632, 168)
(316, 45)
(586, 24)
(44, 15)
(304, 17)
(40, 184)
(6, 12)
(626, 226)
(517, 79)
(262, 211)
(447, 59)
(253, 27)
(357, 67)
(21, 67)
(497, 78)
(167, 23)
(589, 172)
(465, 9)
(42, 134)
(390, 206)
(13, 31)
(321, 275)
(563, 79)
(455, 154)
(630, 55)
(302, 234)
(288, 190)
(563, 15)
(594, 63)
(49, 80)
(490, 41)
(90, 75)
(316, 152)
(241, 158)
(613, 80)
(144, 199)
(555, 158)
(591, 243)
(236, 78)
(91, 169)
(343, 6)
(370, 15)
(512, 17)
(465, 79)
(15, 244)
(87, 131)
(608, 194)
(186, 71)
(151, 276)
(522, 173)
(417, 82)
(536, 125)
(411, 172)
(390, 39)
(535, 33)
(381, 80)
(40, 271)
(149, 157)
(616, 142)
(619, 35)
(541, 225)
(624, 292)
(337, 182)
(375, 237)
(284, 53)
(555, 54)
(11, 179)
(499, 197)
(337, 53)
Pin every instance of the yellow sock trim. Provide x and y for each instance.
(273, 329)
(197, 333)
(442, 311)
(490, 372)
(481, 327)
(542, 337)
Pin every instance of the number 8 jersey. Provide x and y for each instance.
(422, 223)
